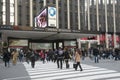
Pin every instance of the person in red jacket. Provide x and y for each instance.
(42, 55)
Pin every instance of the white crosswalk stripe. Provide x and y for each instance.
(49, 71)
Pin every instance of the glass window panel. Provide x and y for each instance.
(93, 17)
(11, 18)
(4, 8)
(83, 14)
(4, 0)
(11, 1)
(4, 17)
(11, 9)
(102, 16)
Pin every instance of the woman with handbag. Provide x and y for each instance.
(78, 55)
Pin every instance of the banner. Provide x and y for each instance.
(52, 16)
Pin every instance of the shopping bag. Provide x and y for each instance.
(74, 65)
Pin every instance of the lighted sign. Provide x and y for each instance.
(52, 16)
(41, 19)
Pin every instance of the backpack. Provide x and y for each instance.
(60, 52)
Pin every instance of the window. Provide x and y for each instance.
(11, 5)
(11, 23)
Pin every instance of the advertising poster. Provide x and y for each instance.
(41, 19)
(52, 16)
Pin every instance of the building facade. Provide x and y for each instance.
(83, 15)
(7, 12)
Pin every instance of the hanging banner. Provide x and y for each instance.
(41, 19)
(52, 17)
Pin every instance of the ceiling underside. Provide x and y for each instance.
(44, 35)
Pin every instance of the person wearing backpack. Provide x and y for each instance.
(60, 58)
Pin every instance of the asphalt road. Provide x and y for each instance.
(12, 72)
(19, 72)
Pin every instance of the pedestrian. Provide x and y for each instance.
(78, 55)
(60, 58)
(6, 57)
(66, 57)
(116, 52)
(27, 55)
(32, 58)
(21, 55)
(96, 55)
(42, 55)
(14, 56)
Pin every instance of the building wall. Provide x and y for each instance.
(88, 13)
(23, 13)
(0, 12)
(7, 12)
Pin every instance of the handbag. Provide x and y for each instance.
(74, 65)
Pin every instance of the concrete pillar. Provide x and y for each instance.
(68, 12)
(31, 13)
(79, 26)
(106, 24)
(79, 43)
(46, 2)
(114, 21)
(57, 8)
(16, 12)
(88, 13)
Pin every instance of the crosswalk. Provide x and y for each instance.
(49, 71)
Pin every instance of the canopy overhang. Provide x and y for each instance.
(45, 35)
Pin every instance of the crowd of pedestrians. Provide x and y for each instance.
(59, 56)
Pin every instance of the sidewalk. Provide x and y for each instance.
(103, 63)
(17, 72)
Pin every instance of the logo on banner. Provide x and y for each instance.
(52, 11)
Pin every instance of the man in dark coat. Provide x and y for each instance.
(116, 54)
(66, 57)
(60, 55)
(32, 58)
(6, 57)
(96, 54)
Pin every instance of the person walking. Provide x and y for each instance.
(15, 56)
(32, 58)
(21, 55)
(96, 54)
(116, 52)
(42, 55)
(6, 57)
(60, 58)
(78, 55)
(66, 57)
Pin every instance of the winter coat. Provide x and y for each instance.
(95, 52)
(6, 56)
(77, 57)
(15, 56)
(66, 55)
